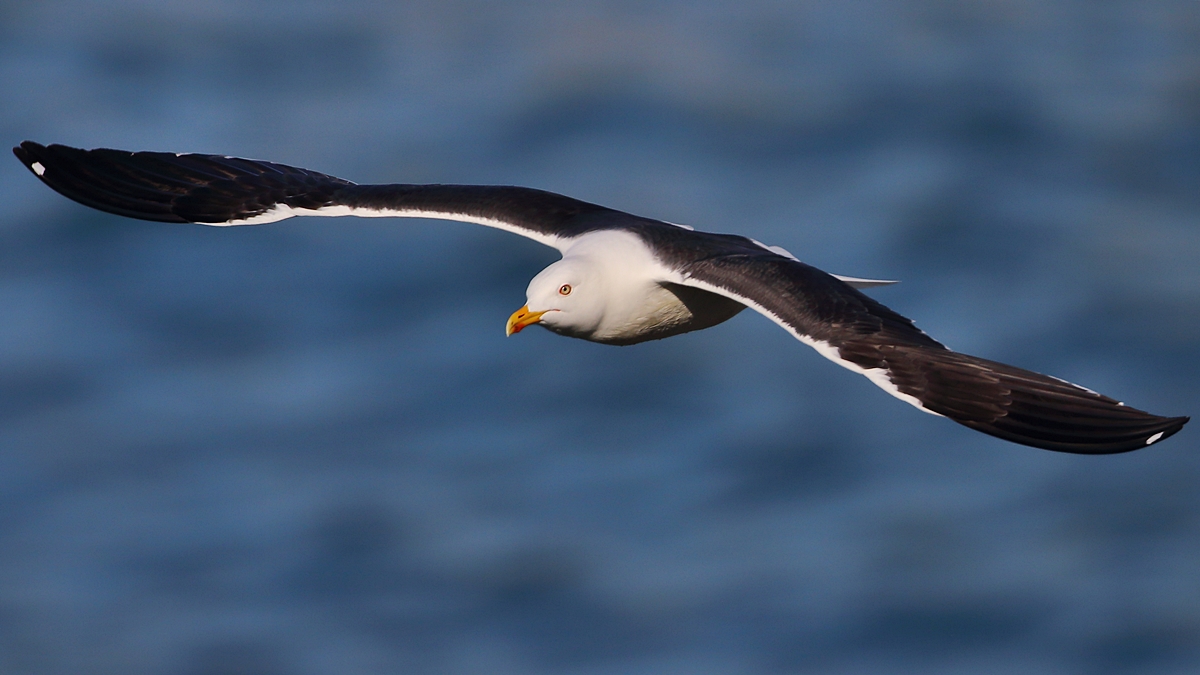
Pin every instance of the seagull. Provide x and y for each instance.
(625, 279)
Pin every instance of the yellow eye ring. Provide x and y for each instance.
(565, 290)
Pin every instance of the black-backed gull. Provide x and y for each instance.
(625, 279)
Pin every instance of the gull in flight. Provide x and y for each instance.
(625, 279)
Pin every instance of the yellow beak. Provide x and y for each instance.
(520, 319)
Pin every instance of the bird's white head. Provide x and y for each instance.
(566, 298)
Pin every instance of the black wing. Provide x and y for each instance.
(863, 335)
(217, 190)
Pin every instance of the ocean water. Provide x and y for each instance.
(308, 448)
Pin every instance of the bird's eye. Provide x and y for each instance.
(565, 290)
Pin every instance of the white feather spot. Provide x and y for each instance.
(689, 228)
(38, 168)
(1153, 438)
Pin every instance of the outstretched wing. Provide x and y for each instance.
(216, 190)
(861, 334)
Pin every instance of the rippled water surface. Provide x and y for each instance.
(307, 447)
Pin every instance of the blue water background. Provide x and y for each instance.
(308, 448)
